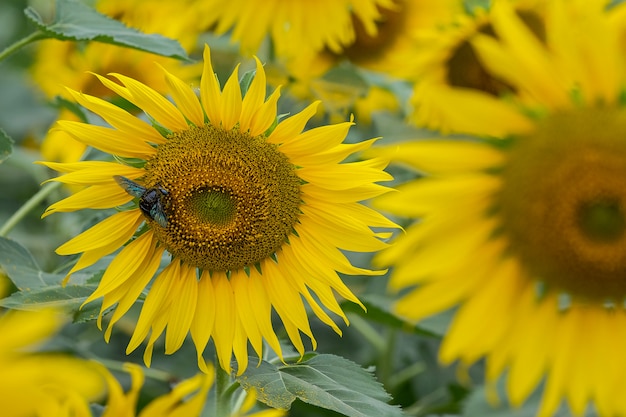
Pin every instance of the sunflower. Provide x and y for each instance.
(450, 76)
(253, 214)
(321, 74)
(389, 48)
(525, 233)
(294, 26)
(42, 383)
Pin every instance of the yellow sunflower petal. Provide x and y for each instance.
(224, 328)
(231, 101)
(360, 193)
(153, 103)
(345, 176)
(528, 366)
(184, 294)
(154, 308)
(118, 118)
(263, 311)
(210, 93)
(254, 98)
(126, 297)
(585, 49)
(265, 115)
(107, 140)
(287, 303)
(446, 291)
(204, 318)
(323, 137)
(471, 112)
(118, 227)
(240, 283)
(94, 197)
(434, 156)
(461, 340)
(99, 175)
(124, 265)
(240, 346)
(185, 98)
(417, 198)
(292, 126)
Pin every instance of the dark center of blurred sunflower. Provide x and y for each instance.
(464, 69)
(232, 199)
(564, 203)
(370, 47)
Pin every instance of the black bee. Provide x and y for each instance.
(150, 199)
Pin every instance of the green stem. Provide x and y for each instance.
(222, 392)
(368, 332)
(28, 206)
(35, 36)
(155, 374)
(385, 361)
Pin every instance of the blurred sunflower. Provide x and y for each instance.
(294, 26)
(187, 398)
(60, 64)
(526, 232)
(253, 214)
(42, 383)
(319, 74)
(387, 49)
(450, 77)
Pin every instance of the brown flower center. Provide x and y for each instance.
(370, 47)
(564, 203)
(464, 69)
(232, 199)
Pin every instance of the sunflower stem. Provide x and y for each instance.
(222, 392)
(154, 374)
(28, 206)
(9, 50)
(368, 332)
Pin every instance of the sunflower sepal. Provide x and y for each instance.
(246, 81)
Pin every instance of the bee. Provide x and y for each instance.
(150, 199)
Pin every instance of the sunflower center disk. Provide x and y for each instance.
(465, 70)
(214, 206)
(602, 220)
(366, 47)
(233, 198)
(564, 203)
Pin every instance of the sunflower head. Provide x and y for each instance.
(232, 200)
(523, 228)
(253, 213)
(451, 76)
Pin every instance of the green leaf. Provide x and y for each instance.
(66, 299)
(21, 268)
(472, 5)
(326, 381)
(77, 21)
(6, 145)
